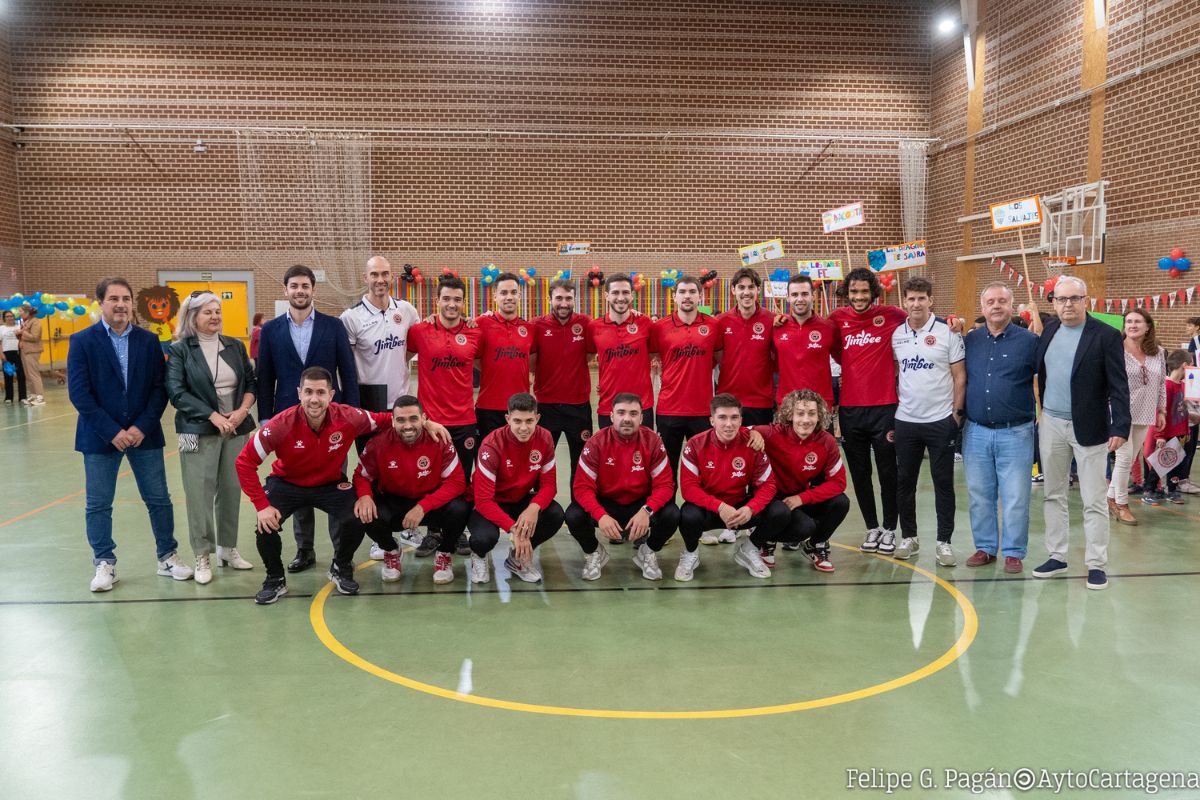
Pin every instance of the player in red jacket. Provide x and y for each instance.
(562, 382)
(621, 341)
(747, 366)
(505, 341)
(310, 442)
(515, 484)
(406, 477)
(623, 487)
(809, 476)
(728, 483)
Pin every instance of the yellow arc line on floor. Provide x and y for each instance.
(316, 615)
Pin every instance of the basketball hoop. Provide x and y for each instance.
(1060, 261)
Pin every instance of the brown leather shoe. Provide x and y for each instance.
(1124, 515)
(1012, 565)
(1112, 507)
(980, 558)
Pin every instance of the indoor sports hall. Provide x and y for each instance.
(1033, 149)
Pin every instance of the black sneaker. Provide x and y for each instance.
(793, 546)
(343, 584)
(463, 548)
(431, 542)
(272, 590)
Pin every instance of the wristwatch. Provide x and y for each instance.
(960, 412)
(648, 510)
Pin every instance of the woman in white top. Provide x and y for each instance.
(1146, 368)
(10, 335)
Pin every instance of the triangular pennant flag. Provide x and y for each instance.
(1137, 302)
(1108, 306)
(1172, 297)
(1124, 304)
(1163, 298)
(1191, 290)
(1155, 298)
(1094, 301)
(1020, 279)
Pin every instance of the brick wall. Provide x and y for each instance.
(1033, 57)
(11, 267)
(704, 85)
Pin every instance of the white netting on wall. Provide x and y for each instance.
(308, 194)
(912, 189)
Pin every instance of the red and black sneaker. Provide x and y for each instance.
(819, 555)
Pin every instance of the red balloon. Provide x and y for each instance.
(1049, 285)
(1027, 316)
(1174, 273)
(595, 281)
(1176, 253)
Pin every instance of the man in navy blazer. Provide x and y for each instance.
(288, 345)
(115, 378)
(1084, 391)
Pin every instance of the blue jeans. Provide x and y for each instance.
(999, 465)
(100, 481)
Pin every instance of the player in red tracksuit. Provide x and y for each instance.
(623, 487)
(562, 382)
(727, 483)
(504, 345)
(809, 476)
(406, 477)
(310, 442)
(868, 411)
(515, 484)
(747, 366)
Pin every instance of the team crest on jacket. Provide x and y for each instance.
(739, 463)
(814, 336)
(397, 318)
(878, 321)
(704, 330)
(469, 443)
(522, 331)
(637, 458)
(460, 339)
(423, 463)
(810, 459)
(535, 456)
(585, 435)
(930, 340)
(344, 485)
(631, 327)
(577, 329)
(758, 328)
(335, 437)
(891, 436)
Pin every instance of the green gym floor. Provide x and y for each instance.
(622, 688)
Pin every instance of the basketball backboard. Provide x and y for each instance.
(1074, 223)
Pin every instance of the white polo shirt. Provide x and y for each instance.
(379, 340)
(923, 359)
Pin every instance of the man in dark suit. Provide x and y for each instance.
(1085, 415)
(290, 344)
(115, 378)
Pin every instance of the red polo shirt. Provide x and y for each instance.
(447, 358)
(747, 364)
(561, 374)
(802, 355)
(688, 354)
(623, 356)
(503, 360)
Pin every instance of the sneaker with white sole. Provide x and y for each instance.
(887, 541)
(1187, 487)
(344, 584)
(727, 536)
(409, 537)
(945, 555)
(818, 554)
(594, 562)
(272, 589)
(709, 537)
(793, 546)
(767, 554)
(393, 565)
(647, 559)
(172, 567)
(527, 572)
(203, 572)
(377, 553)
(230, 557)
(871, 542)
(909, 547)
(746, 555)
(37, 401)
(478, 569)
(686, 569)
(443, 567)
(106, 576)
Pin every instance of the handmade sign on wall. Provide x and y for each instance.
(763, 251)
(844, 217)
(897, 256)
(574, 248)
(1016, 213)
(827, 270)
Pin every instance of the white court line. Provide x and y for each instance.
(36, 421)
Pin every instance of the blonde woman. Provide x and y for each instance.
(212, 385)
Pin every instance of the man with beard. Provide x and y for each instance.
(289, 344)
(747, 365)
(562, 383)
(688, 343)
(447, 349)
(803, 345)
(621, 341)
(868, 397)
(505, 341)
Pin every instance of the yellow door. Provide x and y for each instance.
(235, 304)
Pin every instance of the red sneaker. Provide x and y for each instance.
(980, 558)
(391, 567)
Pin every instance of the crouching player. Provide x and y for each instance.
(809, 476)
(405, 478)
(728, 484)
(623, 485)
(515, 484)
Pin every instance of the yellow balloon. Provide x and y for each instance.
(48, 298)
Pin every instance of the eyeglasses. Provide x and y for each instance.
(198, 292)
(1070, 299)
(1145, 376)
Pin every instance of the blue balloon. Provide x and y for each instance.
(36, 297)
(1182, 264)
(62, 305)
(1165, 263)
(43, 312)
(79, 311)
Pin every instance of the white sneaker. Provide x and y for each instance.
(410, 537)
(746, 554)
(887, 541)
(594, 562)
(871, 543)
(526, 572)
(709, 537)
(37, 401)
(106, 576)
(647, 559)
(377, 552)
(171, 567)
(687, 566)
(1187, 487)
(203, 570)
(727, 536)
(392, 566)
(477, 569)
(443, 568)
(908, 548)
(945, 554)
(230, 557)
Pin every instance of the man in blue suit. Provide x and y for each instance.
(290, 344)
(115, 377)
